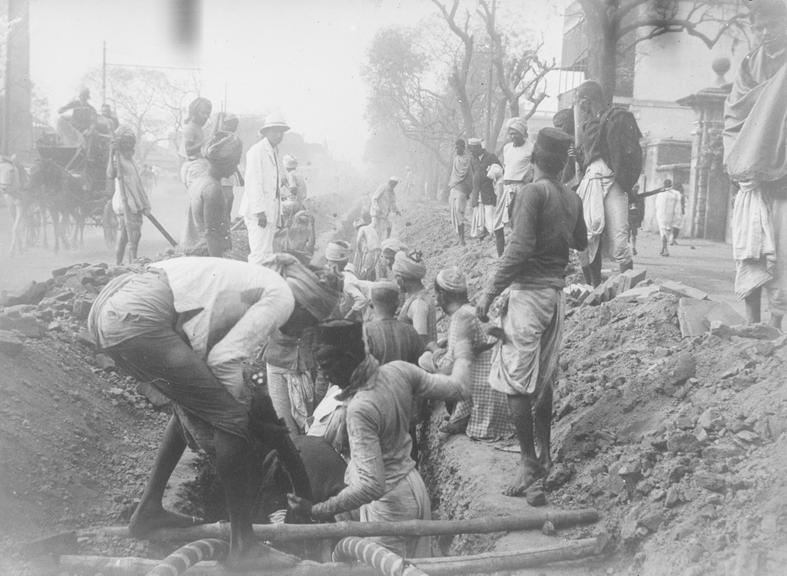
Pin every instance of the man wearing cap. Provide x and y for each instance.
(130, 200)
(483, 185)
(418, 308)
(207, 224)
(547, 221)
(383, 202)
(460, 185)
(193, 139)
(185, 327)
(485, 415)
(516, 173)
(383, 480)
(261, 203)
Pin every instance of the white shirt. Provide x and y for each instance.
(239, 305)
(516, 161)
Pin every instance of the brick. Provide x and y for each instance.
(683, 290)
(696, 316)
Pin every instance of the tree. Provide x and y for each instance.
(615, 27)
(153, 103)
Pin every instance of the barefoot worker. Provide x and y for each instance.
(384, 483)
(547, 221)
(185, 326)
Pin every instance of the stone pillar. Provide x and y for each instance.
(709, 187)
(15, 118)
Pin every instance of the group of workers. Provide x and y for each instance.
(351, 347)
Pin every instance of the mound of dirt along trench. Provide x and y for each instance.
(677, 442)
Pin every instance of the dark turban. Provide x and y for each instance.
(224, 151)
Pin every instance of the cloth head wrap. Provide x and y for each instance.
(451, 280)
(224, 151)
(125, 139)
(590, 90)
(391, 245)
(564, 120)
(338, 251)
(474, 142)
(409, 266)
(518, 124)
(318, 294)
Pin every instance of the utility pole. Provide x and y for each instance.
(490, 80)
(104, 74)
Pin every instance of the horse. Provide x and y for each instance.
(65, 197)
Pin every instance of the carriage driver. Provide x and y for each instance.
(83, 117)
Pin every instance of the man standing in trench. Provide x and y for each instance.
(547, 221)
(184, 327)
(384, 482)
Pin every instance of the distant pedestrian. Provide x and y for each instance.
(636, 216)
(382, 205)
(367, 250)
(483, 186)
(676, 228)
(516, 173)
(460, 185)
(667, 214)
(418, 308)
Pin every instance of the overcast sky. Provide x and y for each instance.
(302, 57)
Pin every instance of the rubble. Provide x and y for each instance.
(9, 343)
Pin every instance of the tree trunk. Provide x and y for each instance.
(602, 36)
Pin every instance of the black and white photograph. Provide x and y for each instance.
(393, 287)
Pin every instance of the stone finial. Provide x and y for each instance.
(721, 66)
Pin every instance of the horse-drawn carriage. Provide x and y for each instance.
(68, 188)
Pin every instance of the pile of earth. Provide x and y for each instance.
(678, 442)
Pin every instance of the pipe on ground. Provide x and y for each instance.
(186, 556)
(385, 562)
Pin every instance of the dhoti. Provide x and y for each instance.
(457, 202)
(527, 359)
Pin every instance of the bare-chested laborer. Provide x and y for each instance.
(547, 221)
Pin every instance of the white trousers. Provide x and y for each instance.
(260, 240)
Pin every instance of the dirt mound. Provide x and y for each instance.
(678, 442)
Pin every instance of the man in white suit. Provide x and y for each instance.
(261, 203)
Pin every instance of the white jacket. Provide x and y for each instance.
(263, 186)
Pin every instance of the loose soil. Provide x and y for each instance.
(679, 443)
